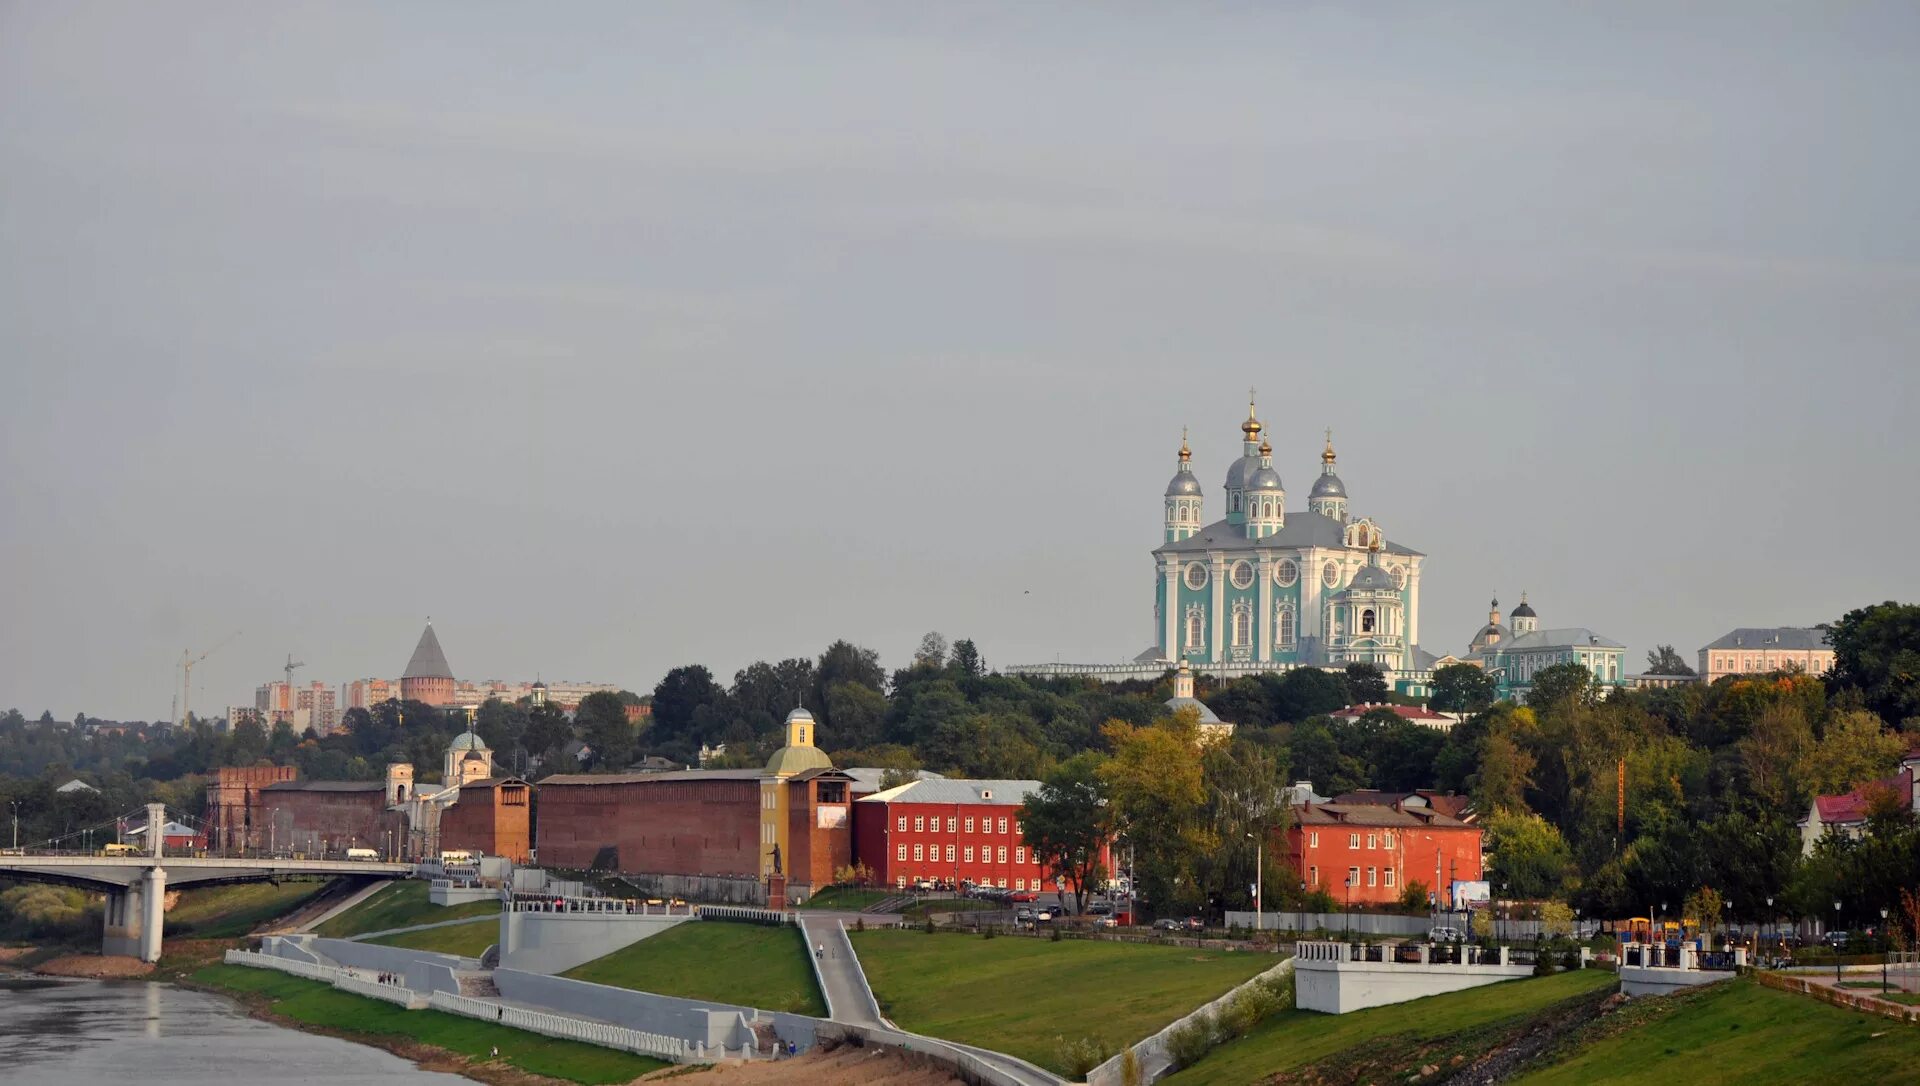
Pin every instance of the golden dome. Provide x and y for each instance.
(1266, 448)
(1186, 454)
(1326, 457)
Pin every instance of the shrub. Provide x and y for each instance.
(1188, 1042)
(1056, 935)
(1543, 964)
(1081, 1056)
(928, 926)
(859, 923)
(1570, 959)
(1130, 1068)
(1282, 989)
(986, 931)
(1247, 1010)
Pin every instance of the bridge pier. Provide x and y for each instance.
(135, 917)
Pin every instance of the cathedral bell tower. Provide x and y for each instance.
(1183, 497)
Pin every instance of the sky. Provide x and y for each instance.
(616, 337)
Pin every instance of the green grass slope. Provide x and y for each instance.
(228, 912)
(469, 940)
(356, 1017)
(1294, 1039)
(1739, 1032)
(747, 964)
(400, 904)
(1023, 996)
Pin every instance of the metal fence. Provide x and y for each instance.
(744, 915)
(343, 979)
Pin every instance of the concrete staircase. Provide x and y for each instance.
(890, 904)
(478, 986)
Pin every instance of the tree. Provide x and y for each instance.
(1561, 683)
(1780, 743)
(678, 695)
(856, 716)
(1663, 660)
(1157, 799)
(1367, 684)
(1462, 688)
(1307, 692)
(966, 657)
(602, 720)
(1856, 749)
(932, 652)
(1528, 854)
(1876, 653)
(1505, 774)
(1065, 822)
(845, 662)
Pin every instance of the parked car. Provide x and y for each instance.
(1168, 923)
(1194, 923)
(1099, 908)
(1837, 939)
(1445, 934)
(1023, 914)
(1105, 922)
(1024, 895)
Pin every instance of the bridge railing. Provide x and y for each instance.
(606, 1035)
(745, 915)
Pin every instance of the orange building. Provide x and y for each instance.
(1367, 853)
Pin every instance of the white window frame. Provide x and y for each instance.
(1353, 840)
(919, 823)
(900, 853)
(903, 823)
(919, 854)
(967, 854)
(969, 823)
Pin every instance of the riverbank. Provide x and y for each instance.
(432, 1040)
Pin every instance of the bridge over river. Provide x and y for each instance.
(136, 886)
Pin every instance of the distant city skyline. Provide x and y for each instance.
(702, 334)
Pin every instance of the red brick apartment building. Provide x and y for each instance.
(948, 830)
(1381, 847)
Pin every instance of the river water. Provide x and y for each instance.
(56, 1032)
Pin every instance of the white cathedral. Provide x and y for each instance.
(1263, 588)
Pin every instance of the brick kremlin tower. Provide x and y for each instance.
(428, 679)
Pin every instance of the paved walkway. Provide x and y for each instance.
(850, 1001)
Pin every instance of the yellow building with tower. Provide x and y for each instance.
(806, 818)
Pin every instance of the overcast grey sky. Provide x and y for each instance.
(622, 336)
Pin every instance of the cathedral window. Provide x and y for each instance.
(1196, 575)
(1196, 629)
(1286, 627)
(1242, 575)
(1330, 573)
(1286, 573)
(1242, 626)
(1366, 621)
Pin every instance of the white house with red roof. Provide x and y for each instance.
(1847, 813)
(1417, 714)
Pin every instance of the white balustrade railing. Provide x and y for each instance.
(604, 1034)
(573, 1029)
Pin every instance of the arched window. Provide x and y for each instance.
(1268, 509)
(1242, 627)
(1196, 630)
(1366, 621)
(1286, 627)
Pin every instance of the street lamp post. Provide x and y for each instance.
(1836, 950)
(1771, 922)
(1259, 879)
(1884, 951)
(1349, 913)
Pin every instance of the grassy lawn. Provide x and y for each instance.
(1021, 996)
(469, 940)
(746, 964)
(317, 1004)
(400, 904)
(845, 899)
(1294, 1039)
(1740, 1032)
(228, 912)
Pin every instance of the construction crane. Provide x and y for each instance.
(188, 661)
(291, 700)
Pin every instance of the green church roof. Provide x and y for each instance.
(790, 760)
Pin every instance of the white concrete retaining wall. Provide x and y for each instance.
(1150, 1055)
(573, 1029)
(1326, 980)
(442, 892)
(714, 1025)
(556, 942)
(1638, 980)
(416, 966)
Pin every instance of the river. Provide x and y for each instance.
(56, 1032)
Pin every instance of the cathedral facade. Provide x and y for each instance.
(1263, 588)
